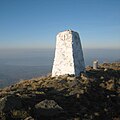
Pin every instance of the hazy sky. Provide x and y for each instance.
(35, 23)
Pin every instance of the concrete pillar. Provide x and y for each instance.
(95, 64)
(68, 54)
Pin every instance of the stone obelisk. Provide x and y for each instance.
(68, 54)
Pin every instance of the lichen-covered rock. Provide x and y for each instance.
(19, 114)
(9, 103)
(29, 118)
(11, 107)
(48, 108)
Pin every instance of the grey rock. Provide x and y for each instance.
(20, 90)
(48, 108)
(9, 103)
(71, 78)
(62, 81)
(74, 83)
(29, 118)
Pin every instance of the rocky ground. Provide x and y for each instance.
(95, 95)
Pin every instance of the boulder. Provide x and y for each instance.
(48, 108)
(10, 102)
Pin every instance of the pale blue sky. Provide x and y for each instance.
(35, 23)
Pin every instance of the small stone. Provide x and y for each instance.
(102, 85)
(77, 118)
(96, 114)
(78, 95)
(84, 76)
(21, 114)
(110, 85)
(73, 83)
(62, 81)
(105, 109)
(29, 118)
(71, 78)
(101, 77)
(108, 96)
(105, 69)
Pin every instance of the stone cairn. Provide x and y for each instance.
(68, 54)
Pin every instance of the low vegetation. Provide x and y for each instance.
(95, 95)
